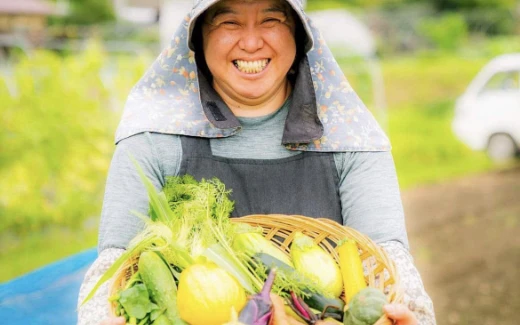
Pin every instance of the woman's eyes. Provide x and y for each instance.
(271, 21)
(266, 22)
(230, 23)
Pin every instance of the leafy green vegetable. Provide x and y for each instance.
(136, 301)
(156, 313)
(189, 220)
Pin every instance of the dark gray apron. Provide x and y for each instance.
(305, 184)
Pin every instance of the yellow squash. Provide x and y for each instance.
(207, 294)
(316, 264)
(351, 268)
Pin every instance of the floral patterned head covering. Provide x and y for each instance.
(325, 114)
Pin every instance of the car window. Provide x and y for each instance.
(506, 80)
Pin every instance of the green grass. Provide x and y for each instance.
(316, 5)
(428, 79)
(425, 149)
(421, 93)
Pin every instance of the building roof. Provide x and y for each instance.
(27, 7)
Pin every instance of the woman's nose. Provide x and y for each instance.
(251, 40)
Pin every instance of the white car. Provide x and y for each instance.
(487, 115)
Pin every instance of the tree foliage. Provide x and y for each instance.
(482, 16)
(486, 16)
(87, 12)
(56, 133)
(473, 4)
(441, 5)
(357, 3)
(447, 32)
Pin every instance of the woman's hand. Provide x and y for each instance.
(400, 314)
(113, 321)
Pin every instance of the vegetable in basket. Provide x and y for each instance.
(134, 302)
(198, 214)
(214, 271)
(161, 320)
(158, 278)
(351, 268)
(259, 308)
(251, 242)
(316, 264)
(305, 313)
(365, 308)
(149, 296)
(207, 294)
(325, 306)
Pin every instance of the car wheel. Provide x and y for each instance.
(501, 147)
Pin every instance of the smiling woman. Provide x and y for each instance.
(249, 93)
(249, 48)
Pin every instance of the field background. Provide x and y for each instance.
(60, 110)
(58, 155)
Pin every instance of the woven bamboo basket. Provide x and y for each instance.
(380, 271)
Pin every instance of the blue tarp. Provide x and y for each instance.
(47, 296)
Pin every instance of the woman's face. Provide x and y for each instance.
(249, 47)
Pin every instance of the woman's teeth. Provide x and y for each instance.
(251, 66)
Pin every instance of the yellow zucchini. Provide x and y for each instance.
(351, 268)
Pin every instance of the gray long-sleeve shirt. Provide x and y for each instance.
(368, 187)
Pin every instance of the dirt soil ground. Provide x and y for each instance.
(465, 238)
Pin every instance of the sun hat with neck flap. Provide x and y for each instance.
(175, 97)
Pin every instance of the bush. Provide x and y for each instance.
(500, 45)
(88, 12)
(491, 21)
(447, 32)
(56, 132)
(425, 149)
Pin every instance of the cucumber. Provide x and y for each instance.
(332, 307)
(158, 278)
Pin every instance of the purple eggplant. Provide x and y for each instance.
(259, 308)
